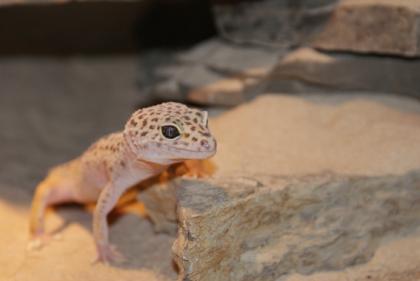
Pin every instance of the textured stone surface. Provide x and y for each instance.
(373, 26)
(268, 227)
(307, 70)
(214, 73)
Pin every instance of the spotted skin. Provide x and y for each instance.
(118, 161)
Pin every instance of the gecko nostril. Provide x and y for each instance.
(205, 144)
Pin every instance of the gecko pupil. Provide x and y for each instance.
(170, 131)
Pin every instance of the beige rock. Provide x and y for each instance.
(284, 135)
(373, 26)
(266, 227)
(307, 70)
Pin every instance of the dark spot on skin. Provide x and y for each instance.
(155, 136)
(194, 139)
(193, 128)
(140, 117)
(122, 163)
(186, 135)
(204, 134)
(133, 122)
(187, 118)
(178, 112)
(188, 123)
(152, 113)
(195, 120)
(175, 142)
(144, 123)
(198, 114)
(167, 119)
(151, 127)
(185, 143)
(160, 139)
(154, 120)
(136, 133)
(143, 134)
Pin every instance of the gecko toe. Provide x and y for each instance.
(107, 254)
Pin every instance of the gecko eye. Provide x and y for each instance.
(170, 131)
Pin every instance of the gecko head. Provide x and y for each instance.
(168, 133)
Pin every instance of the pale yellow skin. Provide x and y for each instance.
(118, 161)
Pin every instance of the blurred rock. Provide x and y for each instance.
(373, 26)
(307, 70)
(275, 23)
(213, 73)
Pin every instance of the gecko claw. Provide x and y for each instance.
(107, 254)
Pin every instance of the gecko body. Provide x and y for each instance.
(152, 139)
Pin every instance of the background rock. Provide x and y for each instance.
(214, 72)
(279, 24)
(373, 26)
(307, 70)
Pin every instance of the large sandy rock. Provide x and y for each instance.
(307, 70)
(315, 185)
(373, 26)
(263, 228)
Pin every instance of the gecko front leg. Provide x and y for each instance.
(107, 200)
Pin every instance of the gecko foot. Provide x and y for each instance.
(37, 242)
(108, 254)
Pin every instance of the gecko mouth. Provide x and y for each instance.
(189, 152)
